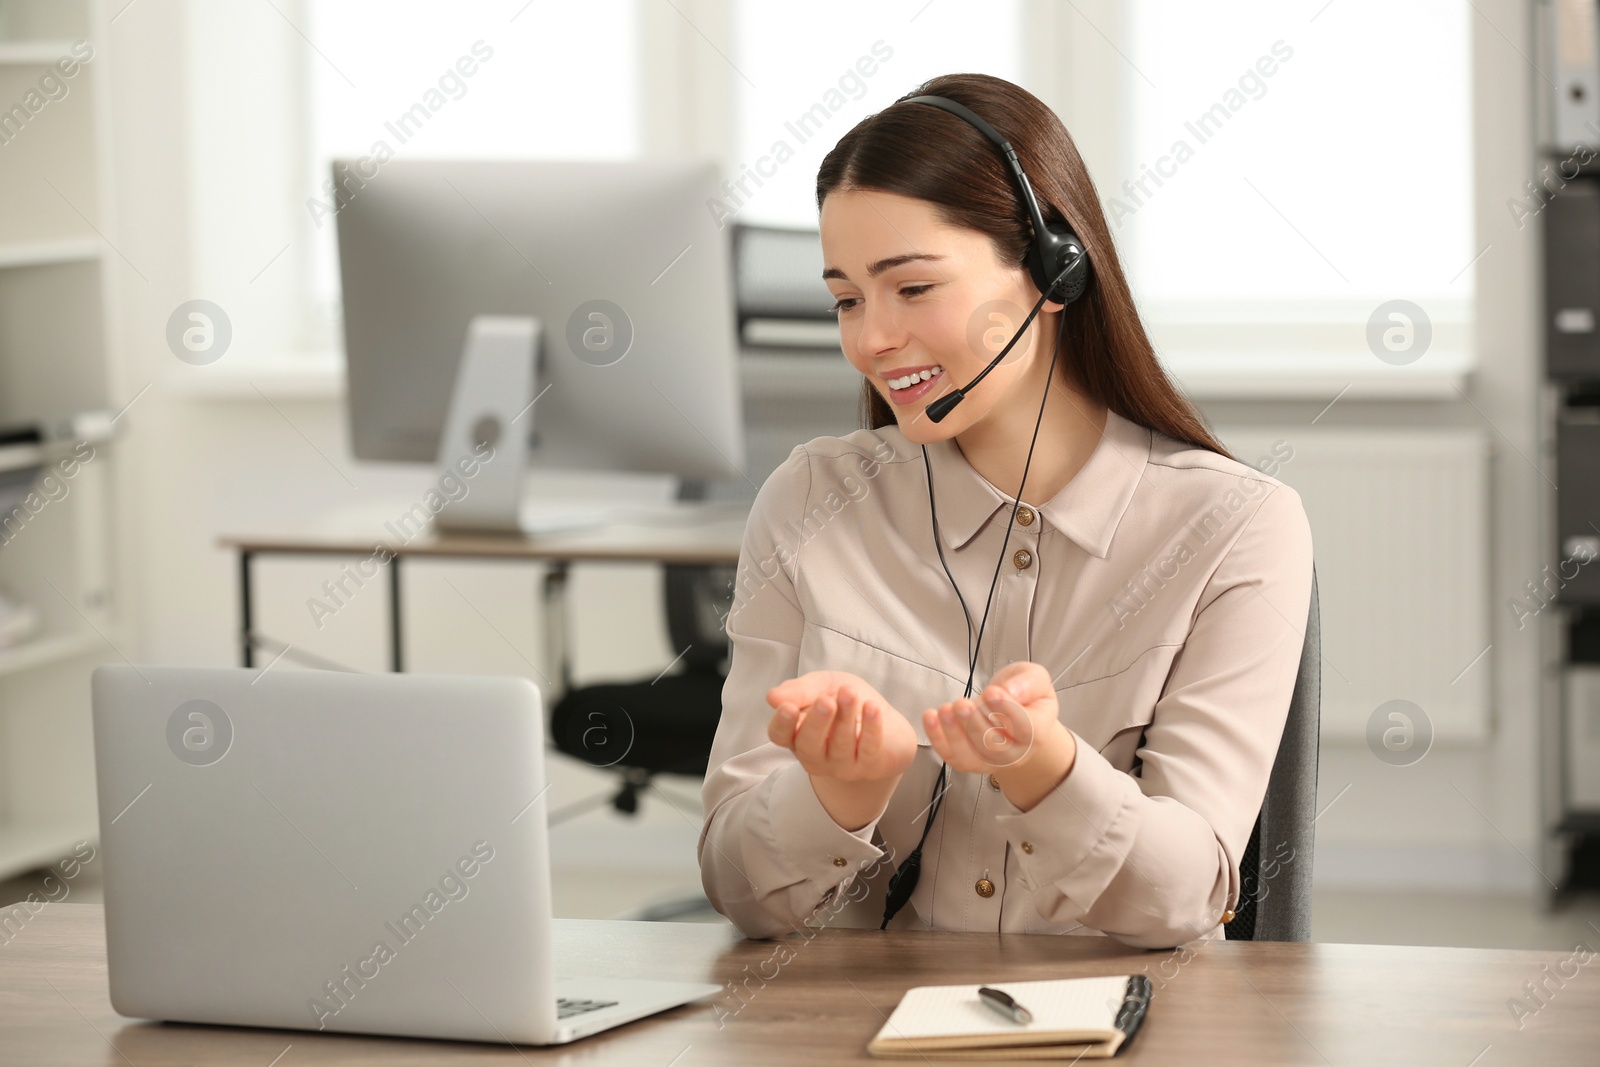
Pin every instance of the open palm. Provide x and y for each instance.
(840, 727)
(1014, 711)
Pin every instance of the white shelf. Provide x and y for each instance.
(43, 253)
(46, 650)
(58, 357)
(40, 53)
(27, 844)
(275, 375)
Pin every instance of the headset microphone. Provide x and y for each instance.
(938, 409)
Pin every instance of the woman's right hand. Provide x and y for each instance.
(852, 743)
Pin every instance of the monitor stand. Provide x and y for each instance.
(484, 445)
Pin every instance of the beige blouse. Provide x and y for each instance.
(1165, 589)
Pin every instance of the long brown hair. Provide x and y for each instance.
(929, 154)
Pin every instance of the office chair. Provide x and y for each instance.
(663, 725)
(1275, 897)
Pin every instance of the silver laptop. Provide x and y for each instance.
(345, 852)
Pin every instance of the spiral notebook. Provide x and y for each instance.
(1091, 1018)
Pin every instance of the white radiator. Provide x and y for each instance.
(1400, 533)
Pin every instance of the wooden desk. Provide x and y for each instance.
(685, 533)
(1220, 1003)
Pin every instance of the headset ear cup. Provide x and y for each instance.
(1051, 254)
(1073, 285)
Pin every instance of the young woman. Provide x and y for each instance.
(1070, 531)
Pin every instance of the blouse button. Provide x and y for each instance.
(984, 887)
(1027, 846)
(1023, 559)
(994, 782)
(839, 861)
(1024, 516)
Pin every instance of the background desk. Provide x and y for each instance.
(1221, 1003)
(706, 534)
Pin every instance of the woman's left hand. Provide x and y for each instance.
(1015, 733)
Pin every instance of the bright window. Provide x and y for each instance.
(1285, 163)
(374, 62)
(791, 58)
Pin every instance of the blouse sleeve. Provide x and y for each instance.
(1152, 858)
(769, 853)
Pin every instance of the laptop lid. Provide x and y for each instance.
(321, 850)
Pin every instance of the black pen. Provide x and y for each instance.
(1002, 1003)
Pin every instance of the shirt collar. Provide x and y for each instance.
(1087, 510)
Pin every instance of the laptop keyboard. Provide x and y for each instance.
(567, 1007)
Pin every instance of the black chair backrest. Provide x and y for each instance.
(698, 599)
(1275, 880)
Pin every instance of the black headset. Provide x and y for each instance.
(1059, 267)
(1056, 260)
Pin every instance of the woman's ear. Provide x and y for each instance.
(1031, 286)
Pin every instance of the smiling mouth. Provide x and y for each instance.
(910, 380)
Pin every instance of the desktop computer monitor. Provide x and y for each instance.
(620, 265)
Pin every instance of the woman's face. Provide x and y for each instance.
(915, 293)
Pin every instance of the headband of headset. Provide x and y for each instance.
(1054, 245)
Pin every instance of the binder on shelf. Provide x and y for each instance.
(1573, 48)
(1571, 224)
(1575, 578)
